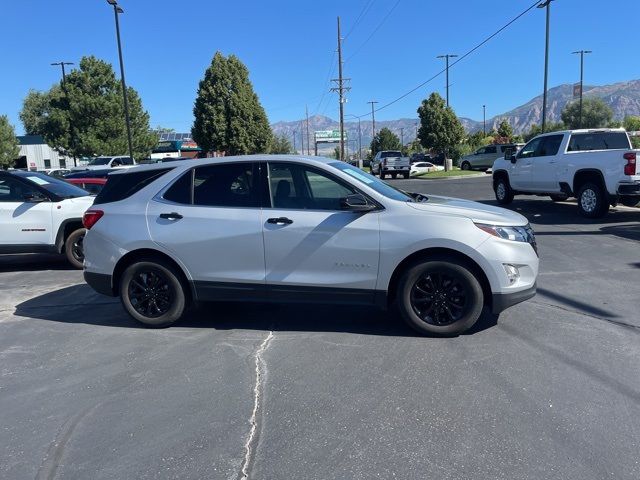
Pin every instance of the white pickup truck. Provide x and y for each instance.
(101, 163)
(597, 167)
(390, 162)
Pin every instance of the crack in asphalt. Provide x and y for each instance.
(261, 368)
(634, 328)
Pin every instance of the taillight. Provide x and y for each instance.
(630, 167)
(90, 218)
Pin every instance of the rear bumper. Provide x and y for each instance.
(629, 188)
(100, 282)
(502, 301)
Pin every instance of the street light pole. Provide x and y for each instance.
(116, 11)
(373, 117)
(547, 4)
(66, 96)
(359, 140)
(582, 53)
(447, 57)
(402, 136)
(484, 119)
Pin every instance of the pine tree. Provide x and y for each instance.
(228, 114)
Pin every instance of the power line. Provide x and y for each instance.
(462, 57)
(363, 12)
(374, 31)
(326, 82)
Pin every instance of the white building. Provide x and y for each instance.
(35, 154)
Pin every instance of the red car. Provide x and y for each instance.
(91, 185)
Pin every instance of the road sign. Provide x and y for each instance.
(329, 136)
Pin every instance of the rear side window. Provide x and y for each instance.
(121, 186)
(581, 142)
(180, 191)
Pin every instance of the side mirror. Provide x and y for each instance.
(356, 203)
(34, 197)
(512, 158)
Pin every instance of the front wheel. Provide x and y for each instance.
(503, 191)
(591, 201)
(465, 166)
(441, 297)
(152, 293)
(74, 248)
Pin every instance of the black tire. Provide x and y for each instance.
(465, 166)
(394, 175)
(439, 296)
(405, 175)
(630, 200)
(503, 191)
(151, 292)
(559, 198)
(73, 247)
(591, 201)
(383, 174)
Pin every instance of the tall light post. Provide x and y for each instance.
(294, 141)
(66, 96)
(373, 117)
(484, 119)
(116, 11)
(446, 58)
(359, 140)
(582, 54)
(546, 4)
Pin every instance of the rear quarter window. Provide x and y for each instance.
(121, 186)
(581, 142)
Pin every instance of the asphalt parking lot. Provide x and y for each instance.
(550, 389)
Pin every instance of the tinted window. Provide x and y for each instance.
(372, 182)
(598, 141)
(92, 188)
(530, 149)
(550, 145)
(12, 190)
(180, 191)
(51, 184)
(390, 154)
(226, 185)
(480, 151)
(126, 160)
(491, 149)
(121, 186)
(99, 161)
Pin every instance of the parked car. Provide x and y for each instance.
(91, 185)
(90, 173)
(419, 157)
(598, 167)
(424, 167)
(289, 228)
(56, 172)
(39, 213)
(484, 157)
(100, 163)
(390, 162)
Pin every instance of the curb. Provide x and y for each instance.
(456, 177)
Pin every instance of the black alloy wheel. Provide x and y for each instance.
(439, 298)
(150, 293)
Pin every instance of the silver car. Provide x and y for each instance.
(484, 157)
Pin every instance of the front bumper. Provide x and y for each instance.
(100, 282)
(502, 301)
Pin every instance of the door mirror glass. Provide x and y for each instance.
(356, 203)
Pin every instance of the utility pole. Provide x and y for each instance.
(66, 96)
(402, 136)
(373, 117)
(294, 142)
(581, 52)
(447, 57)
(547, 4)
(308, 141)
(301, 138)
(359, 140)
(484, 119)
(341, 89)
(416, 125)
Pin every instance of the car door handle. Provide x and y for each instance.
(280, 221)
(171, 216)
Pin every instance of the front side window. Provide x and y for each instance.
(300, 187)
(491, 149)
(480, 151)
(530, 149)
(12, 190)
(226, 185)
(550, 145)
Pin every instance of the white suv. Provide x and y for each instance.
(301, 229)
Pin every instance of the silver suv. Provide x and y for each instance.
(301, 229)
(483, 158)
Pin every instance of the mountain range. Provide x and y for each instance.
(622, 97)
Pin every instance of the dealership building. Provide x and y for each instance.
(35, 154)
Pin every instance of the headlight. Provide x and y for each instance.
(516, 234)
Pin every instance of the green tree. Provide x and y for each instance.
(537, 130)
(9, 148)
(281, 144)
(228, 114)
(505, 130)
(336, 153)
(385, 139)
(595, 114)
(632, 124)
(93, 106)
(440, 129)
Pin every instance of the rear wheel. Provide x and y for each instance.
(591, 201)
(152, 293)
(74, 248)
(465, 166)
(441, 297)
(503, 191)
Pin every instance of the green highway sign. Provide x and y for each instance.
(329, 135)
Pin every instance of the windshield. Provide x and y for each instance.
(100, 161)
(390, 154)
(372, 182)
(57, 187)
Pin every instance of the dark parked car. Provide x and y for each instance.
(92, 185)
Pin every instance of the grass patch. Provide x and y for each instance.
(456, 172)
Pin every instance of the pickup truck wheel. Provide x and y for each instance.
(405, 175)
(558, 198)
(441, 297)
(591, 201)
(465, 166)
(73, 247)
(394, 175)
(152, 293)
(503, 191)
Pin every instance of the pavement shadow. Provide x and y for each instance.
(79, 304)
(33, 262)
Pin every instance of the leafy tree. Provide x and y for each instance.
(281, 144)
(440, 129)
(336, 153)
(632, 124)
(228, 114)
(537, 130)
(93, 106)
(9, 148)
(160, 129)
(595, 114)
(505, 130)
(385, 139)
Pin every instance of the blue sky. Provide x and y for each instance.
(289, 47)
